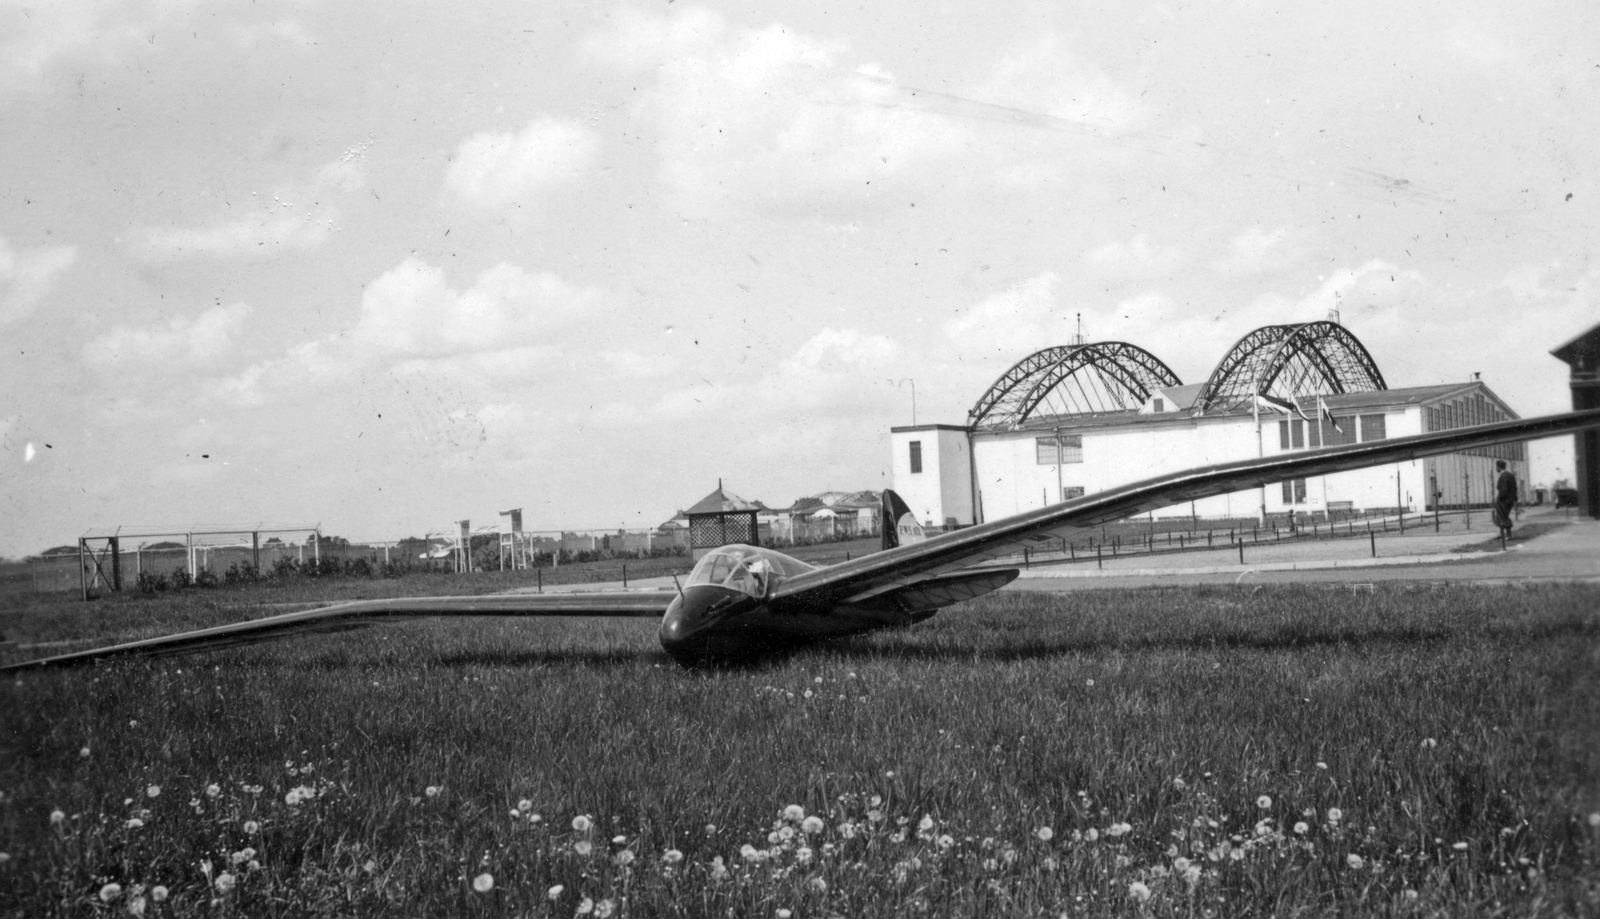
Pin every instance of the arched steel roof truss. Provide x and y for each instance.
(1086, 379)
(1289, 361)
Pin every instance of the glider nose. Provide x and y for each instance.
(689, 628)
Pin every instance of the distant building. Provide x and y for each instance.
(1582, 354)
(1079, 419)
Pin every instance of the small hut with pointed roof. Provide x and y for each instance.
(719, 519)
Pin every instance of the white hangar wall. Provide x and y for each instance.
(1006, 471)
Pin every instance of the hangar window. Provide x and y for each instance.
(1157, 405)
(916, 457)
(1294, 491)
(1071, 491)
(1070, 449)
(1374, 427)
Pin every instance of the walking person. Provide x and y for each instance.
(1505, 498)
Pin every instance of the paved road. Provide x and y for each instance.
(1566, 548)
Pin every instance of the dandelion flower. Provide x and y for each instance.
(483, 883)
(1264, 802)
(1045, 834)
(554, 893)
(583, 847)
(1119, 829)
(1300, 827)
(1459, 847)
(625, 857)
(134, 823)
(817, 885)
(719, 871)
(153, 791)
(225, 882)
(1091, 834)
(1428, 743)
(812, 825)
(1594, 819)
(711, 829)
(213, 790)
(803, 855)
(783, 914)
(794, 813)
(251, 827)
(84, 752)
(1191, 875)
(672, 857)
(1409, 894)
(604, 909)
(524, 805)
(1139, 891)
(946, 841)
(136, 906)
(1321, 765)
(1355, 861)
(1049, 864)
(56, 816)
(110, 892)
(1335, 815)
(158, 893)
(748, 852)
(432, 791)
(585, 907)
(582, 823)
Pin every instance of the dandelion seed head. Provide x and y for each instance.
(1264, 802)
(134, 823)
(1045, 834)
(84, 752)
(158, 893)
(1594, 819)
(1428, 743)
(1409, 894)
(554, 893)
(153, 791)
(57, 816)
(812, 825)
(483, 883)
(604, 909)
(1091, 834)
(225, 882)
(625, 857)
(1335, 815)
(794, 813)
(585, 907)
(582, 823)
(431, 791)
(213, 790)
(583, 847)
(136, 906)
(1300, 827)
(110, 892)
(672, 857)
(1139, 891)
(1355, 861)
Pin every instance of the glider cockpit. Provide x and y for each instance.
(750, 570)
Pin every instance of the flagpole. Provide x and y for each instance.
(1261, 450)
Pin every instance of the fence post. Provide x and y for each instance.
(1099, 559)
(624, 574)
(1374, 538)
(1241, 552)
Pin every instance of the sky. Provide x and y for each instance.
(382, 267)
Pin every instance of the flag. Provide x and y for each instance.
(1300, 411)
(1322, 409)
(1273, 403)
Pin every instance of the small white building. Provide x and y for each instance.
(1022, 458)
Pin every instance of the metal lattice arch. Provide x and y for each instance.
(1289, 361)
(1083, 379)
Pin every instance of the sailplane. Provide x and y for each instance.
(741, 602)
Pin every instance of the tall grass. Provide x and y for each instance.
(1223, 752)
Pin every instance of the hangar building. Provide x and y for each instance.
(1080, 418)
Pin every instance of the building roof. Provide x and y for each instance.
(1584, 345)
(1182, 397)
(851, 500)
(721, 502)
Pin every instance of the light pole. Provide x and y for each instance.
(1059, 489)
(913, 397)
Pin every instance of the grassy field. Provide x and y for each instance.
(1165, 752)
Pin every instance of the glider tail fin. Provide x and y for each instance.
(900, 526)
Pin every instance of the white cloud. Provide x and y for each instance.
(1256, 251)
(176, 345)
(410, 310)
(785, 119)
(1013, 322)
(1137, 257)
(27, 275)
(291, 218)
(499, 170)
